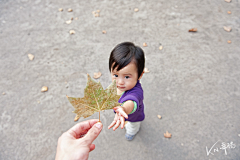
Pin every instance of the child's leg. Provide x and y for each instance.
(132, 128)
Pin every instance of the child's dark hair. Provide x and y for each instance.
(123, 54)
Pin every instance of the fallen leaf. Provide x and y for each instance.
(97, 15)
(159, 116)
(95, 99)
(136, 10)
(193, 30)
(161, 47)
(97, 75)
(104, 32)
(60, 9)
(30, 56)
(167, 135)
(70, 10)
(229, 12)
(44, 89)
(144, 44)
(76, 118)
(227, 28)
(69, 21)
(228, 1)
(146, 70)
(72, 32)
(229, 41)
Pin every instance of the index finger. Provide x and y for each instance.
(81, 127)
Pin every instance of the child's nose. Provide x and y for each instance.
(120, 81)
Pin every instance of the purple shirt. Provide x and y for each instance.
(135, 94)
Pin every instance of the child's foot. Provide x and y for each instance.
(129, 137)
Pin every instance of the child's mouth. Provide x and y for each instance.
(121, 87)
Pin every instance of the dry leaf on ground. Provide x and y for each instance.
(228, 1)
(159, 116)
(72, 32)
(95, 99)
(161, 47)
(144, 44)
(227, 28)
(60, 9)
(229, 41)
(76, 118)
(30, 56)
(96, 13)
(136, 9)
(229, 12)
(104, 32)
(167, 135)
(146, 70)
(69, 21)
(192, 30)
(44, 89)
(70, 10)
(97, 75)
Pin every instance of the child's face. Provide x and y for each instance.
(126, 78)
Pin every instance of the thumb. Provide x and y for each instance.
(93, 133)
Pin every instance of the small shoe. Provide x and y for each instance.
(129, 137)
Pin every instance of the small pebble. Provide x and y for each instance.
(70, 10)
(144, 44)
(3, 93)
(60, 9)
(229, 41)
(229, 12)
(136, 9)
(161, 47)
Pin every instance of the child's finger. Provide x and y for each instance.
(122, 122)
(117, 125)
(112, 124)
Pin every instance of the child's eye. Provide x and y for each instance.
(115, 75)
(127, 77)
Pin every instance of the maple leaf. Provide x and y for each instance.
(95, 99)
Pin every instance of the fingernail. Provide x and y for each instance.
(98, 125)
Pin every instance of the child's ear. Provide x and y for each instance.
(141, 76)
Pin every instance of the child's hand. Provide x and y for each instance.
(119, 118)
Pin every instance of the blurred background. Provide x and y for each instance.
(193, 80)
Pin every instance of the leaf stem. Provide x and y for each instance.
(99, 116)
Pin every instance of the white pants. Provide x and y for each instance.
(132, 127)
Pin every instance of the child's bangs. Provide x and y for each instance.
(121, 63)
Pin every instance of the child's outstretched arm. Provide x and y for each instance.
(121, 113)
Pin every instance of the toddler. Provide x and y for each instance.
(126, 64)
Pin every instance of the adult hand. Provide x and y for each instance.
(72, 146)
